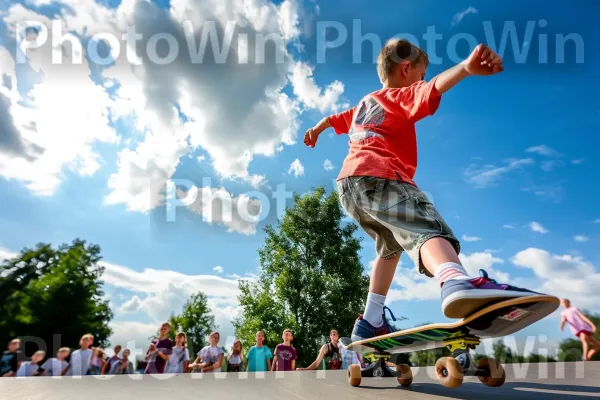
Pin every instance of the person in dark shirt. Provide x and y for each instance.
(10, 360)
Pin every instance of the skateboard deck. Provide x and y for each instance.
(497, 320)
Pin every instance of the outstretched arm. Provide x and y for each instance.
(312, 134)
(482, 62)
(562, 323)
(316, 363)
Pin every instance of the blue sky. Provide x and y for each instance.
(508, 160)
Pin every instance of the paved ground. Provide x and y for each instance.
(533, 381)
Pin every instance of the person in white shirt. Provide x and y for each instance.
(210, 358)
(33, 367)
(179, 359)
(123, 366)
(80, 359)
(55, 366)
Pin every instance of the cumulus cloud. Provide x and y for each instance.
(218, 269)
(222, 92)
(239, 214)
(159, 293)
(296, 168)
(563, 275)
(328, 165)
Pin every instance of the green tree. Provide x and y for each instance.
(50, 298)
(312, 280)
(196, 321)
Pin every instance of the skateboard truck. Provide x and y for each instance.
(378, 367)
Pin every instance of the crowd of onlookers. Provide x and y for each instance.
(167, 356)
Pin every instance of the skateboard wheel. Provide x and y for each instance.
(354, 375)
(449, 372)
(496, 376)
(405, 376)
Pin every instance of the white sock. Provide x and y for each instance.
(451, 271)
(374, 309)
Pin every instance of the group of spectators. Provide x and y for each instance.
(165, 356)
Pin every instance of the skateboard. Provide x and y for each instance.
(497, 320)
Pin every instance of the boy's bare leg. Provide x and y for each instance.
(462, 294)
(382, 275)
(437, 251)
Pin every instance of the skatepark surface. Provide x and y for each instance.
(533, 381)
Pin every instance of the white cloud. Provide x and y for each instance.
(158, 293)
(239, 214)
(467, 238)
(483, 176)
(508, 227)
(6, 254)
(537, 227)
(577, 162)
(581, 238)
(174, 109)
(52, 131)
(309, 92)
(543, 150)
(132, 335)
(201, 158)
(563, 276)
(131, 306)
(486, 261)
(459, 16)
(218, 269)
(328, 165)
(296, 168)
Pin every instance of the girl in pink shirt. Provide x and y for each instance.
(581, 327)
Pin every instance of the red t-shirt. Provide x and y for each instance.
(383, 140)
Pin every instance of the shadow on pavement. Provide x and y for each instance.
(510, 390)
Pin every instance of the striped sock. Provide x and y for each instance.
(450, 271)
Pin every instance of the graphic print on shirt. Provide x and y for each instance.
(368, 113)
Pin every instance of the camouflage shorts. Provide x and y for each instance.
(397, 215)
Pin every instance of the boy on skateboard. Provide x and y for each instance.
(581, 327)
(376, 185)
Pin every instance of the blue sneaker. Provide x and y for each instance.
(461, 298)
(363, 330)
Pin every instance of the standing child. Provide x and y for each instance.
(96, 361)
(376, 184)
(55, 366)
(210, 358)
(80, 359)
(285, 354)
(236, 359)
(581, 327)
(259, 356)
(159, 351)
(123, 366)
(33, 367)
(180, 358)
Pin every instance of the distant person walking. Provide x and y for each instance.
(581, 327)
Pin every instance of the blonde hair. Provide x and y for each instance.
(63, 350)
(87, 336)
(394, 53)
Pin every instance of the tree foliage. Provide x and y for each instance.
(51, 297)
(196, 321)
(312, 279)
